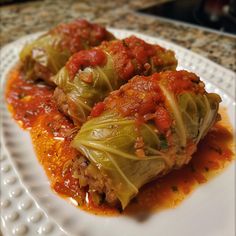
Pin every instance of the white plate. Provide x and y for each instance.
(29, 207)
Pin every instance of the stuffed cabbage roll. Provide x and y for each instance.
(90, 75)
(145, 129)
(46, 55)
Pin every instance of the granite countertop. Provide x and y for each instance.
(24, 18)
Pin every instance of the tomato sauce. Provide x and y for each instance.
(122, 58)
(80, 34)
(139, 96)
(133, 56)
(85, 58)
(97, 109)
(28, 100)
(141, 50)
(32, 106)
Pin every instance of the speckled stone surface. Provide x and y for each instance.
(21, 19)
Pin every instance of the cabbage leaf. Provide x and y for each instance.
(44, 54)
(84, 95)
(108, 141)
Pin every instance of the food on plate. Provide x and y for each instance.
(109, 149)
(46, 55)
(148, 127)
(90, 75)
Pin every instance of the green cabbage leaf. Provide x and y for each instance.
(44, 53)
(109, 141)
(84, 95)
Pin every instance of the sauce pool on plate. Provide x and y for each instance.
(33, 108)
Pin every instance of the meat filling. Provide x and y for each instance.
(99, 185)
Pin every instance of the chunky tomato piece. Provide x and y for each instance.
(97, 109)
(162, 120)
(82, 59)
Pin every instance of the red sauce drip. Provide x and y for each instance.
(85, 58)
(52, 133)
